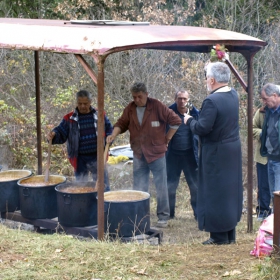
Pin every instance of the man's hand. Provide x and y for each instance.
(110, 138)
(50, 135)
(167, 140)
(115, 133)
(186, 117)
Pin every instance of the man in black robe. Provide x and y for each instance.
(220, 191)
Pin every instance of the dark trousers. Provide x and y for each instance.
(176, 163)
(264, 198)
(223, 236)
(88, 164)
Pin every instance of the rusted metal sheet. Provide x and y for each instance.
(65, 37)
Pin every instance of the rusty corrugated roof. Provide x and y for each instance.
(66, 37)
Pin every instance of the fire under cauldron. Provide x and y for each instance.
(9, 193)
(127, 212)
(38, 198)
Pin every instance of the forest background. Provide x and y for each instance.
(164, 72)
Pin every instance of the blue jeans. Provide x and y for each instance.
(141, 175)
(264, 198)
(176, 163)
(273, 176)
(88, 164)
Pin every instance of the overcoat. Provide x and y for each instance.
(220, 191)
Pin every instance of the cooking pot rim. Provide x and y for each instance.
(20, 181)
(5, 172)
(59, 188)
(146, 194)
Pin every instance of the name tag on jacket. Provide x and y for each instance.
(155, 124)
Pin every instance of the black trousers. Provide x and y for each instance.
(223, 236)
(175, 164)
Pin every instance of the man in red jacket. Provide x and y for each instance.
(79, 130)
(146, 119)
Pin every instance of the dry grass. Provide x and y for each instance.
(29, 255)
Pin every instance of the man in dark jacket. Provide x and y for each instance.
(79, 129)
(220, 191)
(182, 153)
(146, 120)
(270, 137)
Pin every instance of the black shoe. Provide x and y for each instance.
(211, 241)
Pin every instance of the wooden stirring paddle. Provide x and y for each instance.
(105, 160)
(48, 162)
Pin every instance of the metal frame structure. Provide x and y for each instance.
(100, 39)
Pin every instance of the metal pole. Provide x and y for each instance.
(100, 147)
(250, 143)
(38, 112)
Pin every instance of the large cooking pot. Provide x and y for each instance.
(38, 198)
(9, 194)
(127, 212)
(77, 204)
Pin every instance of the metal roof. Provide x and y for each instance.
(100, 40)
(74, 37)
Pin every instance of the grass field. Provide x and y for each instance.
(25, 254)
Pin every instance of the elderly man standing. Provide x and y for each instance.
(220, 191)
(182, 153)
(146, 120)
(270, 137)
(79, 129)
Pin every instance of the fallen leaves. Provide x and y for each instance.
(232, 273)
(136, 270)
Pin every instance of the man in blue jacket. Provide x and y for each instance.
(79, 130)
(182, 153)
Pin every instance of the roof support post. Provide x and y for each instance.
(99, 81)
(249, 57)
(38, 111)
(100, 145)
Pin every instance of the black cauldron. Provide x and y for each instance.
(9, 193)
(77, 204)
(38, 198)
(127, 212)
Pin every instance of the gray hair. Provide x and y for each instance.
(219, 71)
(270, 88)
(84, 93)
(137, 87)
